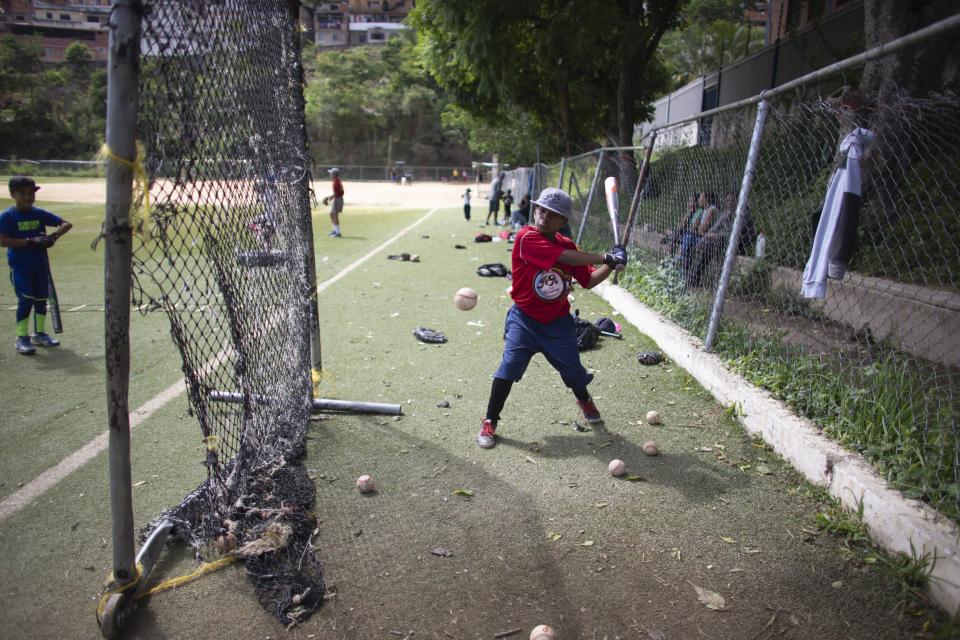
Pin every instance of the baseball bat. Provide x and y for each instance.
(613, 206)
(52, 301)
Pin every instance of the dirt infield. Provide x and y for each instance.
(358, 194)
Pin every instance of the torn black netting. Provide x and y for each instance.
(224, 251)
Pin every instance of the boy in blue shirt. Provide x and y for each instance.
(23, 233)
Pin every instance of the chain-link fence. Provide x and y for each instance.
(226, 253)
(844, 290)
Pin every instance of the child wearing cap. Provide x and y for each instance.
(23, 233)
(544, 263)
(336, 202)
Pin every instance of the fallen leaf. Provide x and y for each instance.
(463, 492)
(870, 560)
(728, 540)
(751, 550)
(601, 505)
(736, 570)
(553, 537)
(703, 449)
(633, 478)
(763, 470)
(656, 634)
(443, 552)
(710, 599)
(838, 584)
(586, 543)
(529, 459)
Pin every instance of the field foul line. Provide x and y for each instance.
(52, 476)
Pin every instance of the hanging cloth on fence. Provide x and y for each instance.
(836, 234)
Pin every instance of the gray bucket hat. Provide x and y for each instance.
(557, 200)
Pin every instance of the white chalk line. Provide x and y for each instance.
(52, 476)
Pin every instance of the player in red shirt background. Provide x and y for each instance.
(544, 264)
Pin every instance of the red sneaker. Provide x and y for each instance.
(590, 412)
(487, 435)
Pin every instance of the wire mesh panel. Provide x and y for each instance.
(843, 301)
(225, 253)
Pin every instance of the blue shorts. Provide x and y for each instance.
(30, 282)
(557, 341)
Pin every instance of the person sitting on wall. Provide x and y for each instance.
(698, 223)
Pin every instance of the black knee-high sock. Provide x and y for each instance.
(582, 394)
(499, 391)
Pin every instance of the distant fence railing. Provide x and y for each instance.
(90, 168)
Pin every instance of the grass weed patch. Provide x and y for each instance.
(884, 410)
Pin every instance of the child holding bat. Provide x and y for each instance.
(544, 263)
(23, 233)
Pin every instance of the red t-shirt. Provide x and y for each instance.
(540, 283)
(337, 187)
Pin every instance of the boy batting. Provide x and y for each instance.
(23, 233)
(544, 264)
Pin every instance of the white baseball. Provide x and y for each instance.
(650, 448)
(543, 632)
(365, 484)
(653, 418)
(617, 467)
(465, 299)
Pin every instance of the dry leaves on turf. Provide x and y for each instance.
(710, 599)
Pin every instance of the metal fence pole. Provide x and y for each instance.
(731, 255)
(635, 202)
(563, 167)
(593, 189)
(122, 107)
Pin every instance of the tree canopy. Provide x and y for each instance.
(583, 70)
(50, 111)
(365, 103)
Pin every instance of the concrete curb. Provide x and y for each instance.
(896, 523)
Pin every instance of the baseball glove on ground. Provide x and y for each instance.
(429, 335)
(649, 357)
(326, 201)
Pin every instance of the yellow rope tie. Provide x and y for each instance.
(120, 589)
(173, 583)
(212, 441)
(317, 375)
(140, 179)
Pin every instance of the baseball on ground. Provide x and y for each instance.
(365, 484)
(617, 467)
(653, 418)
(543, 632)
(650, 448)
(465, 299)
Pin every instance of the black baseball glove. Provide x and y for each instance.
(617, 258)
(429, 335)
(649, 357)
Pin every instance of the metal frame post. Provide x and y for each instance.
(593, 189)
(306, 230)
(122, 108)
(635, 202)
(563, 167)
(738, 222)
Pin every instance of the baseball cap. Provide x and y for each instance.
(20, 182)
(333, 171)
(556, 200)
